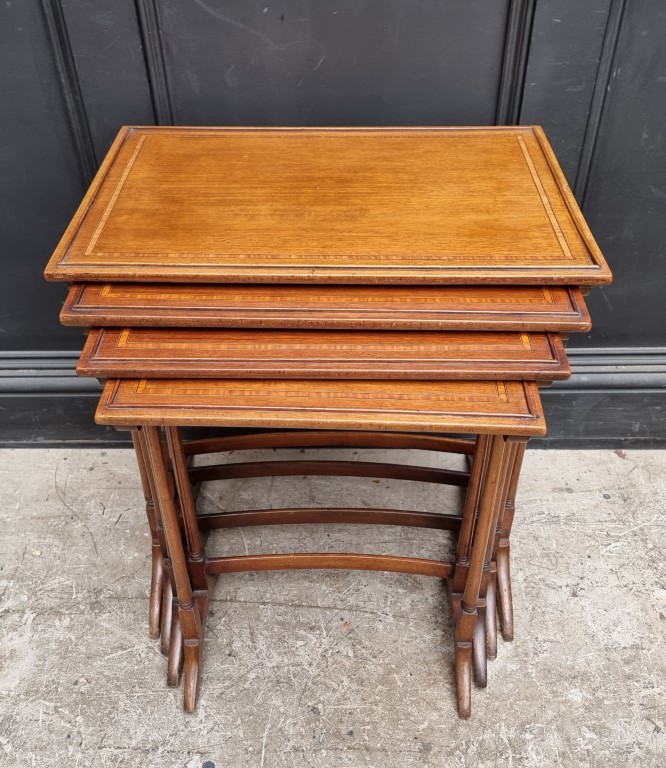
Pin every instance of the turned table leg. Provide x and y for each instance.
(491, 593)
(504, 547)
(167, 597)
(468, 521)
(189, 616)
(485, 604)
(469, 611)
(196, 559)
(157, 577)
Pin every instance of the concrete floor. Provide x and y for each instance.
(329, 668)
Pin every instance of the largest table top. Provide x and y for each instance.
(422, 205)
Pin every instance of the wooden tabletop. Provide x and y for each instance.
(423, 205)
(216, 353)
(405, 307)
(500, 407)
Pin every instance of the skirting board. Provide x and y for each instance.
(615, 398)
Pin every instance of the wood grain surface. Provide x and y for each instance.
(472, 205)
(218, 353)
(457, 307)
(499, 407)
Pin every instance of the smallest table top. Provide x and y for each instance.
(337, 205)
(497, 407)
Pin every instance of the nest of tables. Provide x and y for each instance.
(318, 288)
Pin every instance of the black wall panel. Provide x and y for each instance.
(593, 73)
(566, 43)
(349, 62)
(626, 197)
(110, 67)
(41, 179)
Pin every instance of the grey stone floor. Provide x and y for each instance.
(333, 668)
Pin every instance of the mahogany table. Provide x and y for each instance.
(501, 409)
(355, 286)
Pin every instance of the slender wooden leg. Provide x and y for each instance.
(463, 666)
(157, 571)
(155, 603)
(480, 649)
(195, 547)
(173, 643)
(491, 614)
(468, 613)
(470, 511)
(491, 592)
(196, 560)
(504, 548)
(188, 608)
(167, 617)
(168, 594)
(192, 674)
(463, 550)
(175, 658)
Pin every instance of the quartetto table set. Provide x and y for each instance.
(385, 288)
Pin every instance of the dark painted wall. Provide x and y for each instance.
(626, 193)
(592, 73)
